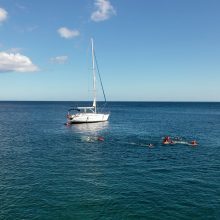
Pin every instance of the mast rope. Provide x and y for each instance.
(100, 79)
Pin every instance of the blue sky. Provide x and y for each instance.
(147, 50)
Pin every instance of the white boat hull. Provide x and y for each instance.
(87, 118)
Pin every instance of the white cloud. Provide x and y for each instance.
(3, 14)
(59, 59)
(16, 62)
(104, 10)
(67, 33)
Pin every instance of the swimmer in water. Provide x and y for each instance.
(100, 138)
(193, 143)
(92, 139)
(166, 140)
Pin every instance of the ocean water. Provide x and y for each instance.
(52, 171)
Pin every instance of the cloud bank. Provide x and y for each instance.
(104, 10)
(67, 33)
(3, 14)
(16, 62)
(59, 59)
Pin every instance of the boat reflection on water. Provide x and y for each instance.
(91, 128)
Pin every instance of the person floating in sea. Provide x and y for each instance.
(92, 138)
(167, 140)
(150, 145)
(100, 138)
(193, 143)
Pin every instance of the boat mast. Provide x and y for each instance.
(94, 76)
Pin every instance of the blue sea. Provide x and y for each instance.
(52, 171)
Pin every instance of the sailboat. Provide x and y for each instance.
(89, 114)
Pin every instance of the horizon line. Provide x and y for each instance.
(104, 101)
